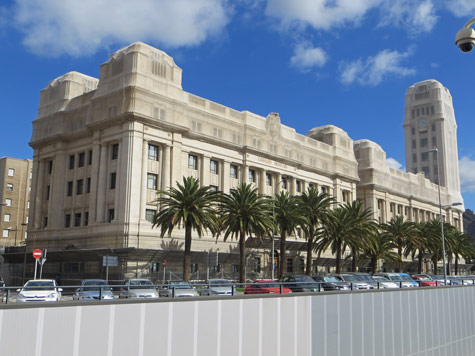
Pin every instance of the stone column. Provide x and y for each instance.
(176, 173)
(226, 176)
(166, 163)
(278, 183)
(37, 193)
(205, 170)
(93, 195)
(262, 181)
(57, 193)
(143, 181)
(102, 183)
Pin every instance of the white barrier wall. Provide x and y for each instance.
(439, 321)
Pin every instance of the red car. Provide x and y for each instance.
(424, 280)
(265, 286)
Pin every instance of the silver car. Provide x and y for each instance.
(218, 287)
(384, 282)
(94, 289)
(138, 288)
(178, 289)
(39, 290)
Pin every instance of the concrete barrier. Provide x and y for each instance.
(413, 321)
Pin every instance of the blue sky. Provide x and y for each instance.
(315, 62)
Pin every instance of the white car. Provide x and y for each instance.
(138, 288)
(39, 290)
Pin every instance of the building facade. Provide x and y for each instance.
(15, 180)
(102, 147)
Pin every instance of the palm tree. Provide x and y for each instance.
(190, 205)
(363, 218)
(314, 207)
(342, 227)
(418, 244)
(245, 212)
(459, 245)
(379, 246)
(401, 231)
(287, 217)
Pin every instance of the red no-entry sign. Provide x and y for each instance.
(37, 253)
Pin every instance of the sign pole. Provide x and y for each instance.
(36, 266)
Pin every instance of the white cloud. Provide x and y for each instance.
(394, 164)
(467, 174)
(415, 16)
(373, 70)
(462, 8)
(55, 27)
(306, 57)
(319, 14)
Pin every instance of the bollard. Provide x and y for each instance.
(8, 296)
(173, 292)
(232, 289)
(100, 293)
(280, 288)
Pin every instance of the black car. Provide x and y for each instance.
(300, 283)
(332, 283)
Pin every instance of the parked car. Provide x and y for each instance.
(403, 281)
(266, 286)
(355, 282)
(438, 278)
(138, 288)
(2, 281)
(331, 283)
(424, 280)
(217, 287)
(365, 277)
(467, 280)
(384, 282)
(94, 289)
(39, 290)
(300, 283)
(177, 289)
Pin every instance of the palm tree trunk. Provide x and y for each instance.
(308, 271)
(449, 261)
(456, 264)
(374, 265)
(354, 259)
(242, 257)
(187, 254)
(338, 259)
(419, 262)
(434, 262)
(399, 263)
(283, 257)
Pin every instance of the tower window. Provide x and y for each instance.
(424, 142)
(193, 162)
(81, 159)
(213, 166)
(71, 161)
(153, 152)
(234, 171)
(115, 151)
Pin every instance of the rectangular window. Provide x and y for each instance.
(77, 219)
(8, 202)
(414, 157)
(79, 186)
(48, 189)
(71, 161)
(9, 187)
(252, 176)
(67, 220)
(45, 221)
(213, 166)
(434, 141)
(269, 179)
(257, 264)
(11, 172)
(424, 142)
(6, 217)
(153, 152)
(81, 159)
(426, 171)
(234, 171)
(413, 144)
(110, 215)
(284, 182)
(192, 162)
(112, 181)
(115, 151)
(424, 156)
(152, 180)
(432, 127)
(413, 130)
(89, 157)
(6, 232)
(298, 186)
(70, 189)
(86, 218)
(50, 167)
(88, 185)
(149, 215)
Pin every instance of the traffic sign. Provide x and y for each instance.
(164, 263)
(37, 253)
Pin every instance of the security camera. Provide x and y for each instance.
(465, 39)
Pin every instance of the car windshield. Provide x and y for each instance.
(140, 283)
(331, 279)
(422, 278)
(220, 283)
(395, 277)
(364, 277)
(349, 278)
(304, 279)
(406, 278)
(94, 283)
(380, 279)
(43, 285)
(267, 285)
(181, 284)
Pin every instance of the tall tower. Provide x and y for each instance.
(429, 122)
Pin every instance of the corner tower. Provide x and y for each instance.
(429, 122)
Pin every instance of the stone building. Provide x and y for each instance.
(15, 180)
(102, 147)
